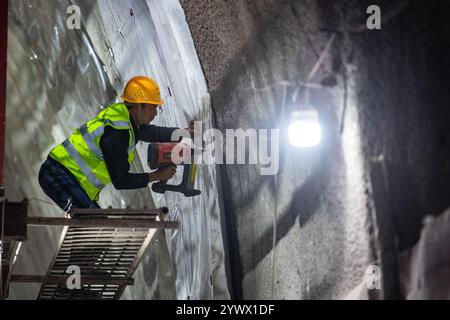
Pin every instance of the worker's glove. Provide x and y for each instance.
(163, 174)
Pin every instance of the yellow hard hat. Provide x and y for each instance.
(142, 90)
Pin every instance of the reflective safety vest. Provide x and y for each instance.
(81, 153)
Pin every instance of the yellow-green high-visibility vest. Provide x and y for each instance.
(81, 153)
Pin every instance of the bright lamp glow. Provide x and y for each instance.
(305, 130)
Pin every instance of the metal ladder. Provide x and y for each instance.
(106, 246)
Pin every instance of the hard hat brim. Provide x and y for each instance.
(155, 102)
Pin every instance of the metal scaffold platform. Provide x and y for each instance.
(106, 246)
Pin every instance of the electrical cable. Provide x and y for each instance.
(275, 215)
(311, 75)
(274, 236)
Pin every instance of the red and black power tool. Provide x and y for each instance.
(160, 156)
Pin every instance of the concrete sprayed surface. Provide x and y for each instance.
(383, 93)
(59, 79)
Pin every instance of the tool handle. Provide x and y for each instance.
(158, 187)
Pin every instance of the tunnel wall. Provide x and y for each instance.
(381, 97)
(402, 87)
(59, 79)
(256, 56)
(53, 85)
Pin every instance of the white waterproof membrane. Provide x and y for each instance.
(60, 78)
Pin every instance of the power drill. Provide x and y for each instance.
(160, 156)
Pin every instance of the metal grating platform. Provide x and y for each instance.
(107, 257)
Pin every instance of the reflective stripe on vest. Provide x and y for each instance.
(83, 166)
(82, 154)
(133, 144)
(90, 138)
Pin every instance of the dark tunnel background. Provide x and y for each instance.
(398, 77)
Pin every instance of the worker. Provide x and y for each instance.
(101, 151)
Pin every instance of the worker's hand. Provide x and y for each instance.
(191, 129)
(163, 174)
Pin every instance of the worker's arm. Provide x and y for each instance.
(114, 144)
(150, 133)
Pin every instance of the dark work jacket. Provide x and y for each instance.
(115, 143)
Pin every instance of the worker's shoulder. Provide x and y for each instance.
(116, 115)
(119, 107)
